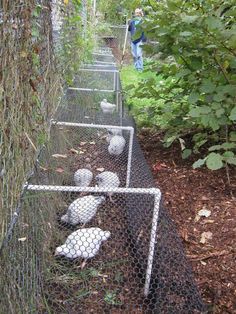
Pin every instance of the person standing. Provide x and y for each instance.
(137, 39)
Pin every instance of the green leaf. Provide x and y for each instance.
(213, 23)
(233, 63)
(233, 114)
(189, 18)
(231, 160)
(219, 97)
(213, 123)
(172, 5)
(207, 87)
(199, 163)
(228, 145)
(195, 112)
(220, 112)
(205, 120)
(228, 154)
(185, 34)
(230, 89)
(205, 109)
(170, 140)
(186, 153)
(196, 63)
(214, 161)
(214, 147)
(183, 73)
(232, 136)
(193, 98)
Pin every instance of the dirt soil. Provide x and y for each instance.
(209, 241)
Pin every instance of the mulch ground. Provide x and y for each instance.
(187, 191)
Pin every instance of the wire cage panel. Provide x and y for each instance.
(103, 57)
(76, 251)
(96, 148)
(97, 79)
(83, 106)
(98, 264)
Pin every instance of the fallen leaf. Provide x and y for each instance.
(204, 213)
(209, 221)
(205, 236)
(44, 169)
(59, 156)
(59, 170)
(157, 167)
(203, 263)
(83, 143)
(81, 152)
(92, 143)
(100, 169)
(72, 150)
(22, 239)
(182, 143)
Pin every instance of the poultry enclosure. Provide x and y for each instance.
(140, 267)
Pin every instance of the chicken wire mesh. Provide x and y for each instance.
(104, 57)
(79, 252)
(84, 105)
(101, 79)
(81, 146)
(57, 263)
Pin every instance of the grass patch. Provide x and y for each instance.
(139, 105)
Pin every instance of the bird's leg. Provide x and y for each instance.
(83, 264)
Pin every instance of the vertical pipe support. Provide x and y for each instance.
(157, 198)
(129, 163)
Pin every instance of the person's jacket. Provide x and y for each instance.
(135, 29)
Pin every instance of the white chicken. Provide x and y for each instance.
(111, 133)
(108, 179)
(107, 107)
(82, 210)
(116, 146)
(84, 243)
(83, 177)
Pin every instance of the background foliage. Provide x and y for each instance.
(77, 40)
(193, 48)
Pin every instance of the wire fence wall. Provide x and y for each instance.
(90, 234)
(29, 86)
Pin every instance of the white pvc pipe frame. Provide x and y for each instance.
(152, 191)
(100, 126)
(115, 84)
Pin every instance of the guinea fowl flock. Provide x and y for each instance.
(85, 242)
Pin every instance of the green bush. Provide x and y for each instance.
(196, 41)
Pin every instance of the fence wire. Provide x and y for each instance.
(83, 241)
(29, 86)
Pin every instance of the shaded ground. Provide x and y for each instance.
(187, 191)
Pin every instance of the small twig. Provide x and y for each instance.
(196, 258)
(31, 142)
(222, 68)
